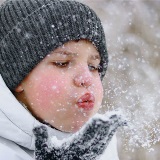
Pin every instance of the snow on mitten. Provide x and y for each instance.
(87, 144)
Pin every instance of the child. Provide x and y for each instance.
(52, 59)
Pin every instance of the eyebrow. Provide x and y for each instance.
(66, 53)
(93, 57)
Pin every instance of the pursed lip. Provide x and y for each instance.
(86, 101)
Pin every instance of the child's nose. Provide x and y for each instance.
(83, 80)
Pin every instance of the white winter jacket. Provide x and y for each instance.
(16, 125)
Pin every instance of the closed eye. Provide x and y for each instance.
(61, 64)
(93, 68)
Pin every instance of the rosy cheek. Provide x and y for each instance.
(48, 90)
(99, 93)
(98, 88)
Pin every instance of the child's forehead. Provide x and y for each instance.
(76, 48)
(76, 44)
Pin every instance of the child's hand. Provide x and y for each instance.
(88, 144)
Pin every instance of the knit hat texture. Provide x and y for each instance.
(31, 29)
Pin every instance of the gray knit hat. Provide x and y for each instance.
(31, 29)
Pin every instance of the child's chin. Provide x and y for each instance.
(77, 128)
(72, 129)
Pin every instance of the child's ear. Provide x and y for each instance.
(19, 88)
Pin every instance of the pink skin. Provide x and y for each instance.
(51, 91)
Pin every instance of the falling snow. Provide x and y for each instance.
(133, 79)
(132, 83)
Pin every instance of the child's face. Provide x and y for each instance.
(64, 89)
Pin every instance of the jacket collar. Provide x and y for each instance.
(17, 123)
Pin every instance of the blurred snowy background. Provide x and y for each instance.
(132, 83)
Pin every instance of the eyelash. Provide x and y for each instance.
(93, 68)
(61, 64)
(65, 64)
